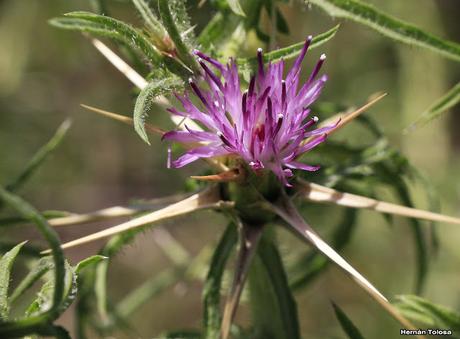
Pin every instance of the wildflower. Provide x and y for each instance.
(267, 125)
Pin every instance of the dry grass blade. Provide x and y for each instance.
(249, 237)
(318, 193)
(288, 212)
(208, 198)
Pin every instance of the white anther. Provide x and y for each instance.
(322, 57)
(315, 118)
(260, 50)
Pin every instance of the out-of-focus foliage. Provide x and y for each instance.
(366, 161)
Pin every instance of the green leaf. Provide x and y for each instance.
(92, 260)
(39, 157)
(176, 35)
(23, 327)
(274, 307)
(428, 313)
(6, 263)
(446, 102)
(39, 270)
(43, 303)
(389, 26)
(27, 250)
(236, 7)
(109, 27)
(144, 101)
(182, 20)
(212, 285)
(288, 52)
(347, 325)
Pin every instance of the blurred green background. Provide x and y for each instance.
(45, 74)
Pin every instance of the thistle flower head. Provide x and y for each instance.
(268, 125)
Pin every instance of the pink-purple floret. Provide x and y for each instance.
(267, 125)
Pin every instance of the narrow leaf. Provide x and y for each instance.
(92, 260)
(446, 102)
(43, 266)
(274, 308)
(28, 212)
(101, 25)
(389, 26)
(39, 157)
(44, 301)
(289, 52)
(145, 99)
(428, 313)
(212, 285)
(6, 263)
(176, 35)
(182, 20)
(27, 250)
(347, 325)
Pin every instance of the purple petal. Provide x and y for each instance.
(197, 153)
(302, 166)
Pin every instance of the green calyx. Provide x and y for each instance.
(251, 192)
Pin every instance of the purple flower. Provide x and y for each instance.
(267, 125)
